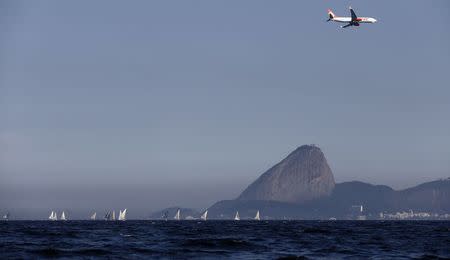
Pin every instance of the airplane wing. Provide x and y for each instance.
(354, 17)
(347, 25)
(350, 24)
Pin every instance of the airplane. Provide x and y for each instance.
(351, 21)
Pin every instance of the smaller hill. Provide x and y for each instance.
(428, 197)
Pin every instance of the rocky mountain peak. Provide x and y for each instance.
(302, 176)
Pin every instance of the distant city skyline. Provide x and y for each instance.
(146, 105)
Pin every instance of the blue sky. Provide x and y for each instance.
(157, 103)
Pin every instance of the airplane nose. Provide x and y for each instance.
(374, 20)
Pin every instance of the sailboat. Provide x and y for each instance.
(257, 216)
(113, 215)
(6, 216)
(94, 216)
(177, 216)
(122, 215)
(63, 216)
(236, 217)
(53, 216)
(205, 215)
(108, 215)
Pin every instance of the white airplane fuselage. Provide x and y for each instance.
(358, 20)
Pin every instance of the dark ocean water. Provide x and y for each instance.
(225, 239)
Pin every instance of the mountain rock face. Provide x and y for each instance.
(302, 176)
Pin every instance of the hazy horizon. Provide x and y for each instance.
(146, 105)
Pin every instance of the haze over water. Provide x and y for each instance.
(145, 105)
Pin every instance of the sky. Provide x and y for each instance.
(150, 104)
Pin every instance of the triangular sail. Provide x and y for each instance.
(236, 217)
(53, 216)
(63, 216)
(94, 216)
(257, 216)
(6, 216)
(114, 215)
(177, 216)
(122, 215)
(204, 215)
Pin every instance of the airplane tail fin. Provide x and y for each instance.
(330, 15)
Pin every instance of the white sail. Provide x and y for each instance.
(177, 216)
(205, 215)
(53, 216)
(122, 215)
(6, 216)
(114, 215)
(63, 216)
(94, 216)
(236, 217)
(257, 216)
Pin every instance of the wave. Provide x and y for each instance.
(55, 252)
(226, 243)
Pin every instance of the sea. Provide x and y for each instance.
(215, 239)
